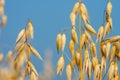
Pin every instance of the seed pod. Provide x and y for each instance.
(58, 42)
(76, 8)
(107, 49)
(1, 57)
(113, 70)
(60, 64)
(86, 60)
(98, 72)
(32, 67)
(95, 62)
(69, 72)
(103, 49)
(21, 36)
(73, 62)
(33, 76)
(27, 70)
(100, 33)
(30, 29)
(4, 20)
(90, 29)
(93, 49)
(35, 52)
(113, 39)
(110, 22)
(107, 29)
(85, 19)
(112, 53)
(109, 8)
(73, 18)
(83, 10)
(63, 43)
(71, 47)
(103, 63)
(77, 55)
(74, 36)
(89, 69)
(82, 41)
(88, 35)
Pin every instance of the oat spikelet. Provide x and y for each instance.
(100, 33)
(88, 36)
(112, 71)
(90, 29)
(74, 14)
(107, 29)
(35, 52)
(109, 8)
(103, 49)
(27, 69)
(94, 62)
(98, 72)
(82, 41)
(21, 35)
(32, 67)
(93, 49)
(58, 42)
(77, 57)
(112, 53)
(89, 69)
(73, 62)
(71, 47)
(103, 63)
(83, 10)
(85, 19)
(33, 76)
(73, 18)
(63, 41)
(113, 39)
(69, 72)
(76, 7)
(4, 20)
(60, 65)
(87, 65)
(30, 29)
(1, 57)
(74, 36)
(108, 46)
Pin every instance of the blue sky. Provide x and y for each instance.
(50, 17)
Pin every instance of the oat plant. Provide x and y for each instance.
(84, 50)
